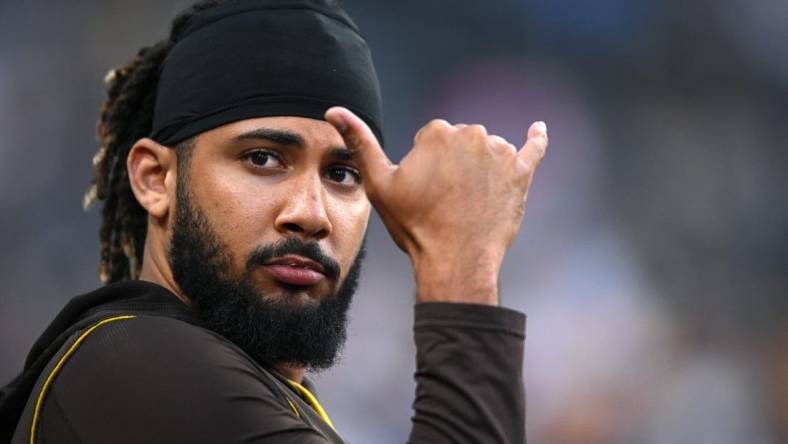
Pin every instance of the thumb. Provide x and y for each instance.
(372, 161)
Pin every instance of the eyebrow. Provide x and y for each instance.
(342, 153)
(286, 137)
(282, 137)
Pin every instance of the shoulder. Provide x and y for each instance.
(156, 355)
(150, 343)
(156, 376)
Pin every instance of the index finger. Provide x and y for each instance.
(360, 139)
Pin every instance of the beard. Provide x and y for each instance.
(271, 331)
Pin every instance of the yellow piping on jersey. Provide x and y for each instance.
(292, 406)
(312, 401)
(59, 366)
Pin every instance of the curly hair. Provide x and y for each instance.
(126, 116)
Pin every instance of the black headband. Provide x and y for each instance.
(263, 59)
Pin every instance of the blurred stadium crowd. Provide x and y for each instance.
(652, 262)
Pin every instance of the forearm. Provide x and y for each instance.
(468, 374)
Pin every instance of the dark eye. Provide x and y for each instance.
(343, 175)
(263, 159)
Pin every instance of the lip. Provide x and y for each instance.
(295, 270)
(297, 261)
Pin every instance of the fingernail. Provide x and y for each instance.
(336, 120)
(340, 125)
(541, 126)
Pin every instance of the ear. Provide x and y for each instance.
(152, 173)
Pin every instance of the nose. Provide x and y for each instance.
(303, 211)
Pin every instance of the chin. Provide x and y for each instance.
(291, 295)
(298, 297)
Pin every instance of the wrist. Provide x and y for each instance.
(457, 278)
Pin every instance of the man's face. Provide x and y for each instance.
(267, 234)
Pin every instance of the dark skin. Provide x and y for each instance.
(454, 204)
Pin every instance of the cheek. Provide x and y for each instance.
(349, 225)
(240, 213)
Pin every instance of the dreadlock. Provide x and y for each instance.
(126, 116)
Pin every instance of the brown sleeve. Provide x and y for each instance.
(469, 374)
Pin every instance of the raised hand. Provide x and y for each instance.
(454, 204)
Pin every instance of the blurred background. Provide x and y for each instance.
(652, 262)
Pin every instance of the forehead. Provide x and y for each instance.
(289, 130)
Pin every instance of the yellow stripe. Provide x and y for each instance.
(310, 398)
(59, 366)
(292, 406)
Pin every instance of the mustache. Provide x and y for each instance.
(291, 245)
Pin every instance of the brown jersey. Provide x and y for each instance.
(138, 366)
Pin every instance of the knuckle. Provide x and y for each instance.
(418, 135)
(476, 134)
(476, 130)
(479, 128)
(501, 144)
(436, 124)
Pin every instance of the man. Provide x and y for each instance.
(240, 159)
